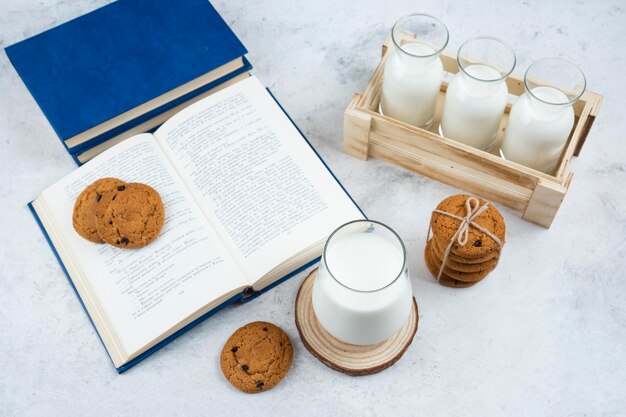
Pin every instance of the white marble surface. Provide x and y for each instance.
(545, 334)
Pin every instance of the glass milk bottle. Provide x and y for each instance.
(362, 294)
(542, 119)
(413, 72)
(477, 95)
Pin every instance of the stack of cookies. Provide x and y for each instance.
(126, 215)
(468, 263)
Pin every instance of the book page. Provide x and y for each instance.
(146, 291)
(258, 180)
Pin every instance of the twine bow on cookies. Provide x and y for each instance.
(473, 209)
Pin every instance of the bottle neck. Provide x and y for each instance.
(478, 86)
(416, 56)
(539, 101)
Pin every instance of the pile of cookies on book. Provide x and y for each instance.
(466, 241)
(126, 215)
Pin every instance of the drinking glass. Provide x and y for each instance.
(542, 119)
(413, 72)
(362, 294)
(477, 95)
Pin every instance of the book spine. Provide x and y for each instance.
(254, 294)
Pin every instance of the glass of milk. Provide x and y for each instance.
(413, 72)
(477, 95)
(542, 119)
(362, 294)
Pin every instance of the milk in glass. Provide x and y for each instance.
(362, 294)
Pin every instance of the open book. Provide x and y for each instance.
(247, 202)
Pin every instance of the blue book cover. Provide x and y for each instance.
(116, 58)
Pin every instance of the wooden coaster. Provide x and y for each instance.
(350, 359)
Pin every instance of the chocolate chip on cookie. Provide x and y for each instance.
(130, 216)
(84, 214)
(439, 248)
(256, 357)
(452, 267)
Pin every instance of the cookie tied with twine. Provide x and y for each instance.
(465, 238)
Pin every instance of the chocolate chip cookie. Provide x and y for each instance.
(479, 244)
(84, 214)
(256, 357)
(130, 216)
(439, 248)
(453, 266)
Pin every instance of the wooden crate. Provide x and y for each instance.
(536, 195)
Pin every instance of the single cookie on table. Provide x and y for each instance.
(130, 216)
(457, 266)
(256, 357)
(84, 213)
(446, 280)
(479, 244)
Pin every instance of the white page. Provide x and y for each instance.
(265, 190)
(146, 291)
